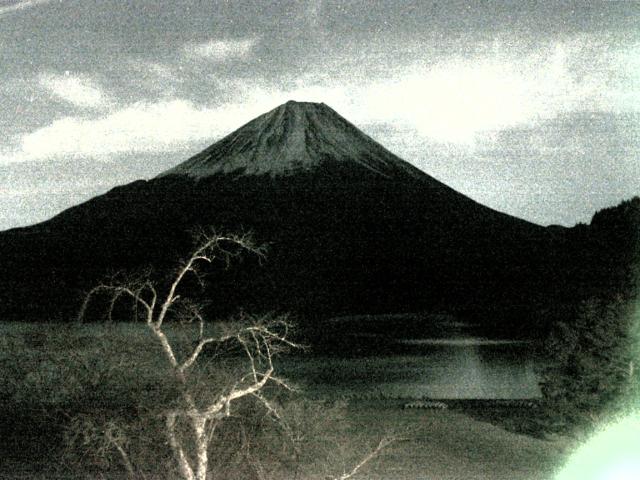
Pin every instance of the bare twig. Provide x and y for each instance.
(123, 454)
(385, 442)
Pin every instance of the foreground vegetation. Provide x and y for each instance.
(174, 396)
(84, 400)
(210, 402)
(73, 393)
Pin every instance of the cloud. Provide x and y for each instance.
(151, 79)
(221, 50)
(79, 91)
(159, 127)
(625, 92)
(312, 12)
(457, 100)
(173, 125)
(14, 7)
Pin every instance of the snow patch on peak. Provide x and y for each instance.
(296, 136)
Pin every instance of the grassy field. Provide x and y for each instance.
(450, 444)
(53, 375)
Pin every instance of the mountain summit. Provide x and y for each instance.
(294, 137)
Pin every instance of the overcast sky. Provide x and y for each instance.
(532, 108)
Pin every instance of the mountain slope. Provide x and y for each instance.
(351, 228)
(293, 137)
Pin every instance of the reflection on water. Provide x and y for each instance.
(460, 342)
(457, 367)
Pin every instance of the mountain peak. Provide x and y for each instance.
(296, 104)
(293, 137)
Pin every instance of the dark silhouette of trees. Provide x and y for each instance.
(593, 365)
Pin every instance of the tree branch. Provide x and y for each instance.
(224, 402)
(191, 359)
(116, 291)
(385, 442)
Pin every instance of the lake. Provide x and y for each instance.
(453, 361)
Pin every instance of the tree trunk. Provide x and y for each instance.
(183, 464)
(202, 459)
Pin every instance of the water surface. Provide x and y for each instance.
(454, 364)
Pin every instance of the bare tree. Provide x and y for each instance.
(258, 339)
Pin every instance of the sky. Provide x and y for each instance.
(531, 108)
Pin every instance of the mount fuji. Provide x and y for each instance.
(351, 229)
